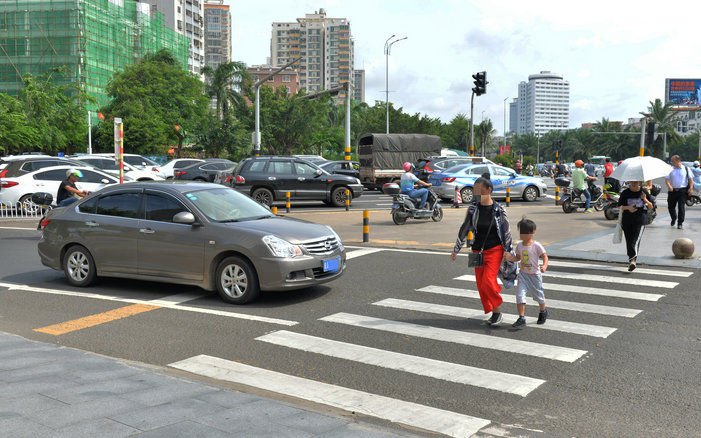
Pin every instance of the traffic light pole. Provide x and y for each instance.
(472, 125)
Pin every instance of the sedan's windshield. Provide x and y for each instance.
(227, 205)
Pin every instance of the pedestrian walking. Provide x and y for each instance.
(608, 170)
(530, 277)
(633, 203)
(487, 221)
(680, 183)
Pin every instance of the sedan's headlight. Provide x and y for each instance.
(281, 248)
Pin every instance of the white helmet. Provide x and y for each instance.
(74, 172)
(696, 164)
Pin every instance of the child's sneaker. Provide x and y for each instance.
(520, 323)
(495, 319)
(542, 316)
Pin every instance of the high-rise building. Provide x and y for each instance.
(543, 104)
(92, 39)
(513, 115)
(217, 33)
(287, 77)
(184, 17)
(325, 45)
(359, 85)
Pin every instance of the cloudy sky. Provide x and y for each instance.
(616, 54)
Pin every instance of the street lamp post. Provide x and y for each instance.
(483, 115)
(505, 99)
(388, 47)
(537, 157)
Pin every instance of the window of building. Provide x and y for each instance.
(286, 78)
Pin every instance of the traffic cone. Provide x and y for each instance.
(457, 199)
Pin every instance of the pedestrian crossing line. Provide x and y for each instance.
(461, 312)
(609, 279)
(498, 381)
(553, 304)
(459, 337)
(622, 269)
(361, 252)
(613, 293)
(449, 423)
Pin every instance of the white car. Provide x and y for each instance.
(19, 189)
(108, 165)
(138, 161)
(168, 170)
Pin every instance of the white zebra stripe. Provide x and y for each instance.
(554, 304)
(361, 252)
(466, 338)
(622, 269)
(411, 414)
(461, 312)
(498, 381)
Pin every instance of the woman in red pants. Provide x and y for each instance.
(489, 225)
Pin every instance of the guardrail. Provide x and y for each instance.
(28, 210)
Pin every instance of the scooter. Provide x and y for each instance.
(611, 198)
(405, 207)
(694, 199)
(571, 200)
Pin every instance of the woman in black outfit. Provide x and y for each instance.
(633, 202)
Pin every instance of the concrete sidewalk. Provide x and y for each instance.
(52, 391)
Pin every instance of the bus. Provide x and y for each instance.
(599, 160)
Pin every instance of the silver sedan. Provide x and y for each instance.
(191, 233)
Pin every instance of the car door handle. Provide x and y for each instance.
(92, 224)
(146, 231)
(301, 178)
(272, 178)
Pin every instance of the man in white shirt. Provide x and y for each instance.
(680, 183)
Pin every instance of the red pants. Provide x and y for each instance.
(486, 276)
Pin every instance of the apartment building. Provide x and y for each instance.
(543, 104)
(325, 45)
(359, 85)
(217, 33)
(287, 77)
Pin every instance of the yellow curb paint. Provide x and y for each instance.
(444, 244)
(97, 319)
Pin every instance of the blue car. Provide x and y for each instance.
(463, 178)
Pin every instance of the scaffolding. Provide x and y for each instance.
(93, 39)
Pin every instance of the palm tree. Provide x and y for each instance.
(484, 131)
(664, 118)
(224, 84)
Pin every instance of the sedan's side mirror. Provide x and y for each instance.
(184, 217)
(105, 181)
(318, 172)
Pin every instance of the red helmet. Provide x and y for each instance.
(579, 163)
(408, 166)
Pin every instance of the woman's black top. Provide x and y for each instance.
(491, 239)
(631, 198)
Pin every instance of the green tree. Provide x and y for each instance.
(224, 84)
(456, 134)
(484, 132)
(151, 97)
(664, 118)
(16, 134)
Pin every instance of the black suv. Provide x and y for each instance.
(267, 179)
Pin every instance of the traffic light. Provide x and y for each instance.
(480, 80)
(650, 133)
(557, 144)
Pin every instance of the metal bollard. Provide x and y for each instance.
(274, 209)
(366, 226)
(347, 200)
(287, 203)
(508, 196)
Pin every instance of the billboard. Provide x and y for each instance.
(683, 93)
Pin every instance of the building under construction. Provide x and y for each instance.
(93, 39)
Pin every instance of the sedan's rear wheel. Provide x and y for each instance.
(79, 267)
(237, 282)
(263, 196)
(28, 205)
(467, 195)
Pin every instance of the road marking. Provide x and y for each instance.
(361, 252)
(459, 337)
(609, 279)
(461, 312)
(622, 269)
(97, 319)
(161, 302)
(587, 290)
(554, 304)
(498, 381)
(19, 228)
(178, 298)
(411, 414)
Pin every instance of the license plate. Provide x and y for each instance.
(332, 265)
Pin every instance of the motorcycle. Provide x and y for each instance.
(611, 209)
(571, 200)
(694, 199)
(405, 207)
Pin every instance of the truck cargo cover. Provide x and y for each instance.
(390, 151)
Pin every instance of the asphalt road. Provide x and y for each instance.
(629, 366)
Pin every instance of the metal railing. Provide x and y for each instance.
(27, 210)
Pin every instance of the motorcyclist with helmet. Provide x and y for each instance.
(67, 192)
(409, 180)
(579, 177)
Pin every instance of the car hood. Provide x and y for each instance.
(291, 229)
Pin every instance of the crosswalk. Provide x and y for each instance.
(577, 322)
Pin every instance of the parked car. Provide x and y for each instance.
(19, 189)
(463, 177)
(13, 166)
(267, 179)
(189, 233)
(438, 164)
(138, 161)
(206, 170)
(316, 159)
(168, 169)
(108, 165)
(349, 168)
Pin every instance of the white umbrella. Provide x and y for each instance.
(641, 169)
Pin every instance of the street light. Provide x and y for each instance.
(505, 99)
(483, 115)
(388, 47)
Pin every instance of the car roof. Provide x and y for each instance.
(32, 157)
(173, 186)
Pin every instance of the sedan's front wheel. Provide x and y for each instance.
(237, 281)
(79, 266)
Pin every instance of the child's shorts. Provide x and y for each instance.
(531, 283)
